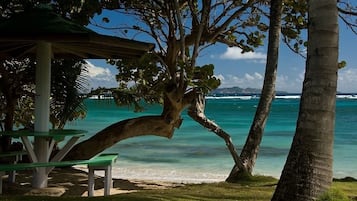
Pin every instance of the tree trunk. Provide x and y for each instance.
(308, 170)
(162, 125)
(196, 112)
(251, 147)
(147, 125)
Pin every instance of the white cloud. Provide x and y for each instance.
(100, 76)
(289, 84)
(98, 73)
(248, 77)
(347, 80)
(346, 83)
(235, 53)
(255, 80)
(248, 80)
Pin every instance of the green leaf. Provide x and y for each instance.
(342, 64)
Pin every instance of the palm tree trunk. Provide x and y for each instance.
(308, 169)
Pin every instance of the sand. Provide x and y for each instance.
(74, 182)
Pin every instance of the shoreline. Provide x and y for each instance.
(154, 178)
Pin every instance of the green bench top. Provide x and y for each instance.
(101, 160)
(57, 134)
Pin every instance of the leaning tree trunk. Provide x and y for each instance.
(148, 125)
(196, 112)
(308, 170)
(162, 125)
(251, 147)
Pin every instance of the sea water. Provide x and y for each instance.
(195, 154)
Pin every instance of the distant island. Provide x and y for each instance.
(106, 93)
(240, 91)
(237, 92)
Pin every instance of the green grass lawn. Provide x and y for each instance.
(258, 189)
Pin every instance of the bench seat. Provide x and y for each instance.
(12, 154)
(15, 156)
(101, 162)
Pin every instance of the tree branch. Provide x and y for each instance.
(196, 112)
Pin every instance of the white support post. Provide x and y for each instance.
(62, 153)
(90, 181)
(108, 181)
(29, 148)
(42, 109)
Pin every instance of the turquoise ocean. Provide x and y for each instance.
(196, 155)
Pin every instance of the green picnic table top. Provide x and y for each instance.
(57, 134)
(101, 160)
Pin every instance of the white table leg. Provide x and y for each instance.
(108, 182)
(90, 182)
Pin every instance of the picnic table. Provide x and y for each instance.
(42, 154)
(102, 162)
(14, 156)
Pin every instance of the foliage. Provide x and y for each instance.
(245, 31)
(16, 83)
(139, 80)
(144, 80)
(79, 11)
(181, 30)
(342, 64)
(67, 83)
(294, 25)
(17, 80)
(66, 102)
(24, 112)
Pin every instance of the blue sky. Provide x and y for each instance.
(247, 70)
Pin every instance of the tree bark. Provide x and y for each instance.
(161, 125)
(308, 170)
(196, 112)
(251, 147)
(147, 125)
